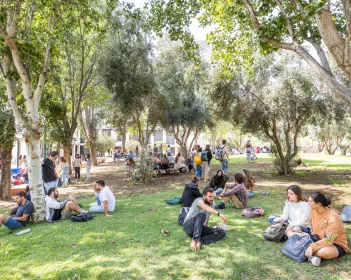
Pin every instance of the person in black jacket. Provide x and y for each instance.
(206, 157)
(191, 192)
(218, 182)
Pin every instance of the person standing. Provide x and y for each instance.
(206, 157)
(248, 148)
(77, 165)
(89, 162)
(64, 174)
(224, 156)
(49, 172)
(198, 163)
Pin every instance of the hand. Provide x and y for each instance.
(222, 194)
(108, 215)
(224, 219)
(309, 252)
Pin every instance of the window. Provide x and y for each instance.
(134, 137)
(170, 140)
(158, 136)
(106, 132)
(119, 138)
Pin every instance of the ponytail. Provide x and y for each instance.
(318, 197)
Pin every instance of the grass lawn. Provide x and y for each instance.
(130, 245)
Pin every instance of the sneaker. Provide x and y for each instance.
(220, 206)
(82, 211)
(314, 260)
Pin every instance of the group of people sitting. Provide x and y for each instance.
(56, 210)
(304, 217)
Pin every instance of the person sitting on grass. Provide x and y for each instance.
(249, 182)
(237, 193)
(179, 163)
(106, 200)
(218, 182)
(327, 225)
(56, 210)
(296, 211)
(196, 222)
(22, 216)
(191, 192)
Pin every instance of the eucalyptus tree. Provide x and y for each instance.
(242, 27)
(30, 37)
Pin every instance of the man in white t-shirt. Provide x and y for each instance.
(105, 200)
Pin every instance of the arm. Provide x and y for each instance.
(285, 215)
(54, 204)
(332, 228)
(197, 193)
(230, 190)
(304, 218)
(209, 209)
(21, 219)
(227, 154)
(106, 208)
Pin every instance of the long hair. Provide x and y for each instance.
(298, 191)
(320, 198)
(63, 159)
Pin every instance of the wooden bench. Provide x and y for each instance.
(16, 189)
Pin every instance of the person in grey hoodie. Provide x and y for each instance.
(191, 192)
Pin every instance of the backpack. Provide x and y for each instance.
(346, 214)
(204, 156)
(252, 212)
(82, 217)
(174, 200)
(197, 159)
(275, 232)
(296, 246)
(182, 215)
(219, 154)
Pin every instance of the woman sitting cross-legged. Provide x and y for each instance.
(327, 224)
(296, 211)
(164, 162)
(218, 181)
(249, 182)
(179, 163)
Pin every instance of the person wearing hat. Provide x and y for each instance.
(249, 182)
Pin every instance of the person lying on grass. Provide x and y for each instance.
(236, 193)
(22, 216)
(105, 200)
(296, 211)
(328, 227)
(196, 222)
(56, 210)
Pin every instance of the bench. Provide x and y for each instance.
(16, 189)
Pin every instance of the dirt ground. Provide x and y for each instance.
(313, 179)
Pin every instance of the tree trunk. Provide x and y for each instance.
(123, 137)
(35, 178)
(92, 153)
(5, 179)
(67, 153)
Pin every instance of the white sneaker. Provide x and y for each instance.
(83, 211)
(314, 260)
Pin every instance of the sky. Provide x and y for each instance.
(198, 32)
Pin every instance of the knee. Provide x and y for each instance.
(3, 217)
(222, 233)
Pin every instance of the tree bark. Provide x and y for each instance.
(92, 153)
(5, 179)
(35, 177)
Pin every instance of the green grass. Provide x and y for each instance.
(130, 245)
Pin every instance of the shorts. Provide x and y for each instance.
(11, 223)
(341, 250)
(66, 214)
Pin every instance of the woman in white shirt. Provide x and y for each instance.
(296, 211)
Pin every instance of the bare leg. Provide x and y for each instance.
(193, 244)
(225, 199)
(73, 206)
(327, 253)
(3, 219)
(291, 233)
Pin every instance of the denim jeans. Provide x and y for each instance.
(49, 185)
(65, 175)
(251, 194)
(88, 172)
(303, 229)
(196, 229)
(97, 198)
(198, 172)
(97, 209)
(218, 191)
(225, 165)
(11, 223)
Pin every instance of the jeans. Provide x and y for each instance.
(218, 191)
(49, 185)
(225, 165)
(65, 175)
(196, 229)
(77, 172)
(97, 198)
(97, 209)
(303, 229)
(251, 194)
(88, 172)
(198, 172)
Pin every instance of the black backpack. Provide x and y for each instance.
(182, 215)
(82, 217)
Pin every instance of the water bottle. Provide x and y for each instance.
(23, 231)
